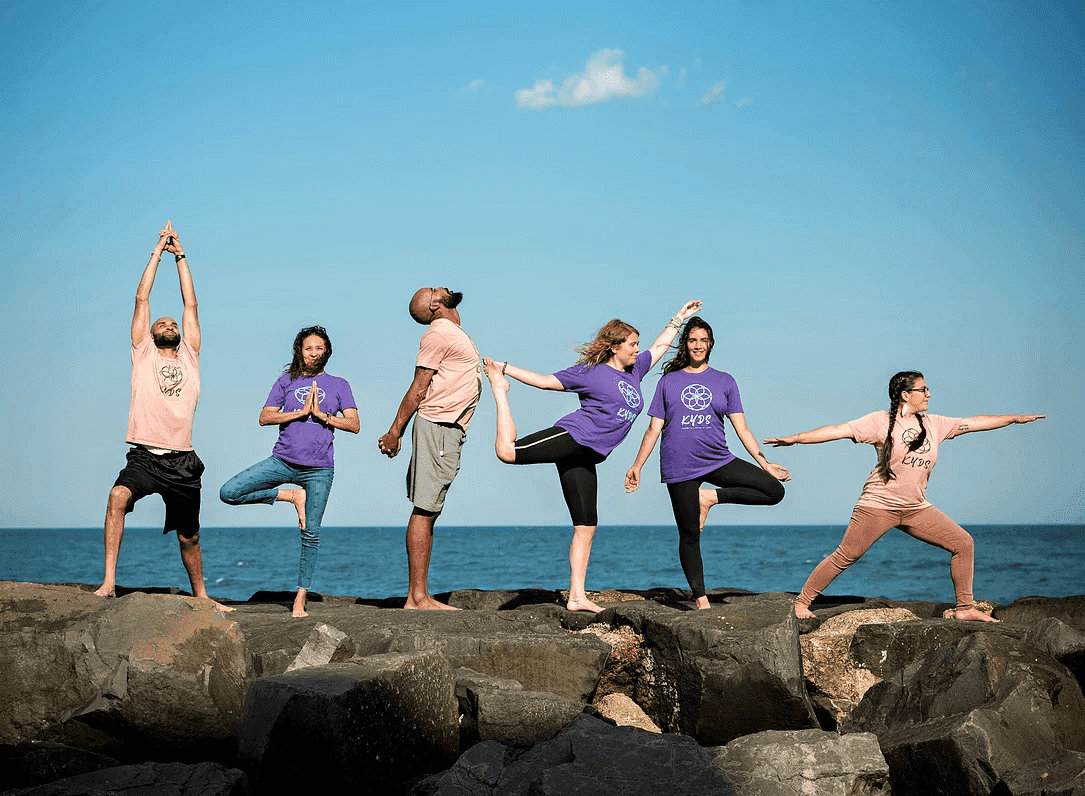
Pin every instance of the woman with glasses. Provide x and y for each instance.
(307, 405)
(894, 493)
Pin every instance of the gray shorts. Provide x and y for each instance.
(435, 460)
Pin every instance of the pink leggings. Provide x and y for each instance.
(868, 525)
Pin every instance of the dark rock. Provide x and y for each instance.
(40, 762)
(724, 672)
(1032, 610)
(513, 716)
(796, 762)
(163, 672)
(887, 648)
(1063, 643)
(973, 714)
(587, 757)
(370, 724)
(159, 779)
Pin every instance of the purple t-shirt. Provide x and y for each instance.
(609, 402)
(307, 442)
(692, 407)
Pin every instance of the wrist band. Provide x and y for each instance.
(180, 257)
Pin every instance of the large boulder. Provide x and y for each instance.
(589, 756)
(369, 724)
(160, 672)
(800, 762)
(837, 682)
(987, 710)
(721, 673)
(1030, 610)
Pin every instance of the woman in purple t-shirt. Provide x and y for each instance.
(304, 403)
(690, 403)
(894, 495)
(607, 378)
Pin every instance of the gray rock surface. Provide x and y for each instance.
(799, 762)
(148, 779)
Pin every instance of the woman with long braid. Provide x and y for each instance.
(607, 378)
(689, 407)
(894, 494)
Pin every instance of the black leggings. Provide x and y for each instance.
(738, 481)
(576, 469)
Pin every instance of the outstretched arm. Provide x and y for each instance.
(738, 420)
(389, 444)
(547, 382)
(822, 434)
(141, 317)
(190, 320)
(666, 337)
(989, 422)
(651, 434)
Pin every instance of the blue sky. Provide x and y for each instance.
(851, 188)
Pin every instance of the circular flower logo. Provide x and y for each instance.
(696, 397)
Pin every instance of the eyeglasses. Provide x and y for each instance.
(924, 390)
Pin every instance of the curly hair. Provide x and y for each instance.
(681, 355)
(297, 368)
(900, 383)
(613, 332)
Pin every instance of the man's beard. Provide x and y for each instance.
(452, 300)
(166, 340)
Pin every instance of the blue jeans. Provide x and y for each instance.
(260, 484)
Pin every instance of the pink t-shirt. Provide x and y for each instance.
(908, 488)
(456, 387)
(164, 396)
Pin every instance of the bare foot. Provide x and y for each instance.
(702, 603)
(707, 498)
(428, 604)
(495, 372)
(298, 610)
(974, 614)
(297, 497)
(582, 604)
(106, 591)
(802, 612)
(224, 609)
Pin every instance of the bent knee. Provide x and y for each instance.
(776, 493)
(119, 496)
(228, 494)
(189, 540)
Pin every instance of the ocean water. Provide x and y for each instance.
(1012, 561)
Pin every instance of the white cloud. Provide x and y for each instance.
(474, 85)
(602, 80)
(745, 102)
(714, 93)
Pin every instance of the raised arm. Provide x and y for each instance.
(666, 337)
(543, 382)
(389, 444)
(990, 422)
(141, 317)
(190, 320)
(738, 420)
(821, 434)
(651, 434)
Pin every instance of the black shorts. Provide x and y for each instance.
(174, 476)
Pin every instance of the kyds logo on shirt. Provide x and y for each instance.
(301, 393)
(910, 434)
(171, 378)
(696, 397)
(629, 392)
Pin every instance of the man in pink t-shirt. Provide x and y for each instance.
(445, 391)
(165, 389)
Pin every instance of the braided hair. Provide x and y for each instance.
(681, 355)
(296, 368)
(900, 383)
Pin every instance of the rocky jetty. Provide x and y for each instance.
(156, 692)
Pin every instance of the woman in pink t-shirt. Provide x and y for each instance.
(894, 494)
